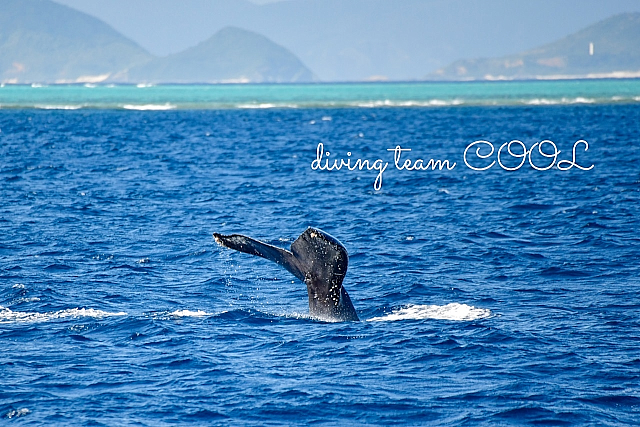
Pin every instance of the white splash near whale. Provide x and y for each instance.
(451, 311)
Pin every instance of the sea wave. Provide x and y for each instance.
(16, 413)
(189, 313)
(407, 103)
(266, 105)
(452, 311)
(565, 101)
(7, 315)
(144, 105)
(58, 107)
(149, 107)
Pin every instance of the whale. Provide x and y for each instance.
(317, 259)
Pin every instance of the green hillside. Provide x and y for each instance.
(42, 41)
(610, 48)
(230, 55)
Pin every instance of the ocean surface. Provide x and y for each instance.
(371, 95)
(496, 283)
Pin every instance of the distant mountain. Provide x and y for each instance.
(45, 42)
(609, 48)
(41, 41)
(347, 40)
(230, 55)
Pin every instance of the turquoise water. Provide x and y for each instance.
(427, 94)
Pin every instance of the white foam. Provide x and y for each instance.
(410, 103)
(149, 107)
(568, 101)
(580, 100)
(7, 315)
(16, 413)
(452, 311)
(143, 85)
(266, 105)
(189, 313)
(58, 107)
(299, 316)
(540, 101)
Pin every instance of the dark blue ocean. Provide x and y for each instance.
(486, 297)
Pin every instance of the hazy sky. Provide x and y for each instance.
(355, 39)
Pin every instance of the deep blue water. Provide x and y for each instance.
(118, 308)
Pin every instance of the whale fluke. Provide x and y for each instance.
(317, 259)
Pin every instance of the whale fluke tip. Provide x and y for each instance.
(317, 259)
(218, 238)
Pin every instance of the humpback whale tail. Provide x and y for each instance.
(317, 259)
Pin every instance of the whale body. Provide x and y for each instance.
(317, 259)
